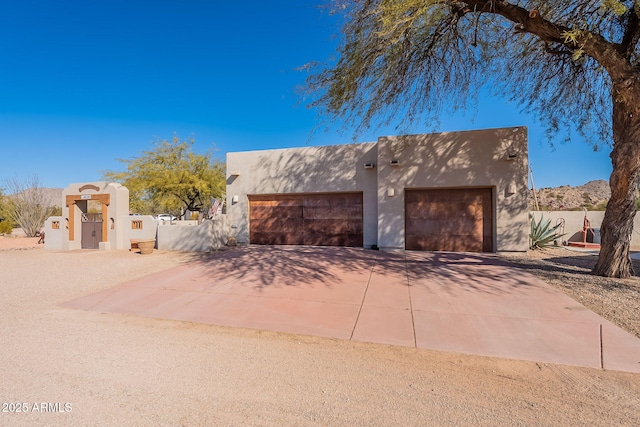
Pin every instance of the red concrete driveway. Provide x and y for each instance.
(467, 303)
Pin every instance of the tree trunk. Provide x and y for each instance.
(617, 226)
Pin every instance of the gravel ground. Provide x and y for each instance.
(91, 368)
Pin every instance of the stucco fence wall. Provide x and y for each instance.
(189, 236)
(574, 221)
(54, 237)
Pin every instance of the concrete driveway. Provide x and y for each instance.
(467, 303)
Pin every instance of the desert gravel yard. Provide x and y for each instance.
(74, 367)
(617, 300)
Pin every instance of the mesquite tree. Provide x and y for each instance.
(171, 176)
(575, 64)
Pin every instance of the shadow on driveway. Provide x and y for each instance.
(468, 303)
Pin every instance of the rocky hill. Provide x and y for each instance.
(52, 195)
(593, 195)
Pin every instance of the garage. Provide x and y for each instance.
(454, 220)
(334, 219)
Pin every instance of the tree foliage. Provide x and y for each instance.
(170, 177)
(574, 64)
(399, 57)
(6, 224)
(27, 204)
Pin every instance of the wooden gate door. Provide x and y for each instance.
(91, 230)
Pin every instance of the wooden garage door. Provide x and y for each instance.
(309, 219)
(456, 220)
(276, 220)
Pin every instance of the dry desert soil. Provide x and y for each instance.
(69, 367)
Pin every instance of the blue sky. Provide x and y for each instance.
(83, 83)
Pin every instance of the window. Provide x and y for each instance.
(136, 225)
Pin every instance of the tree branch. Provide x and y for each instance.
(558, 51)
(525, 20)
(631, 33)
(593, 45)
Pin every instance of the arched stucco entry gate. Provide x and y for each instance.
(113, 202)
(81, 201)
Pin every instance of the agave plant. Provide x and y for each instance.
(542, 233)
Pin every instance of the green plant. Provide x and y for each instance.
(54, 211)
(6, 227)
(542, 233)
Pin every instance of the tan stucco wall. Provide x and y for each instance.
(54, 237)
(456, 159)
(444, 160)
(337, 168)
(574, 222)
(210, 234)
(148, 231)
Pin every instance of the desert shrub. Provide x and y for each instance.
(28, 204)
(54, 211)
(542, 233)
(6, 227)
